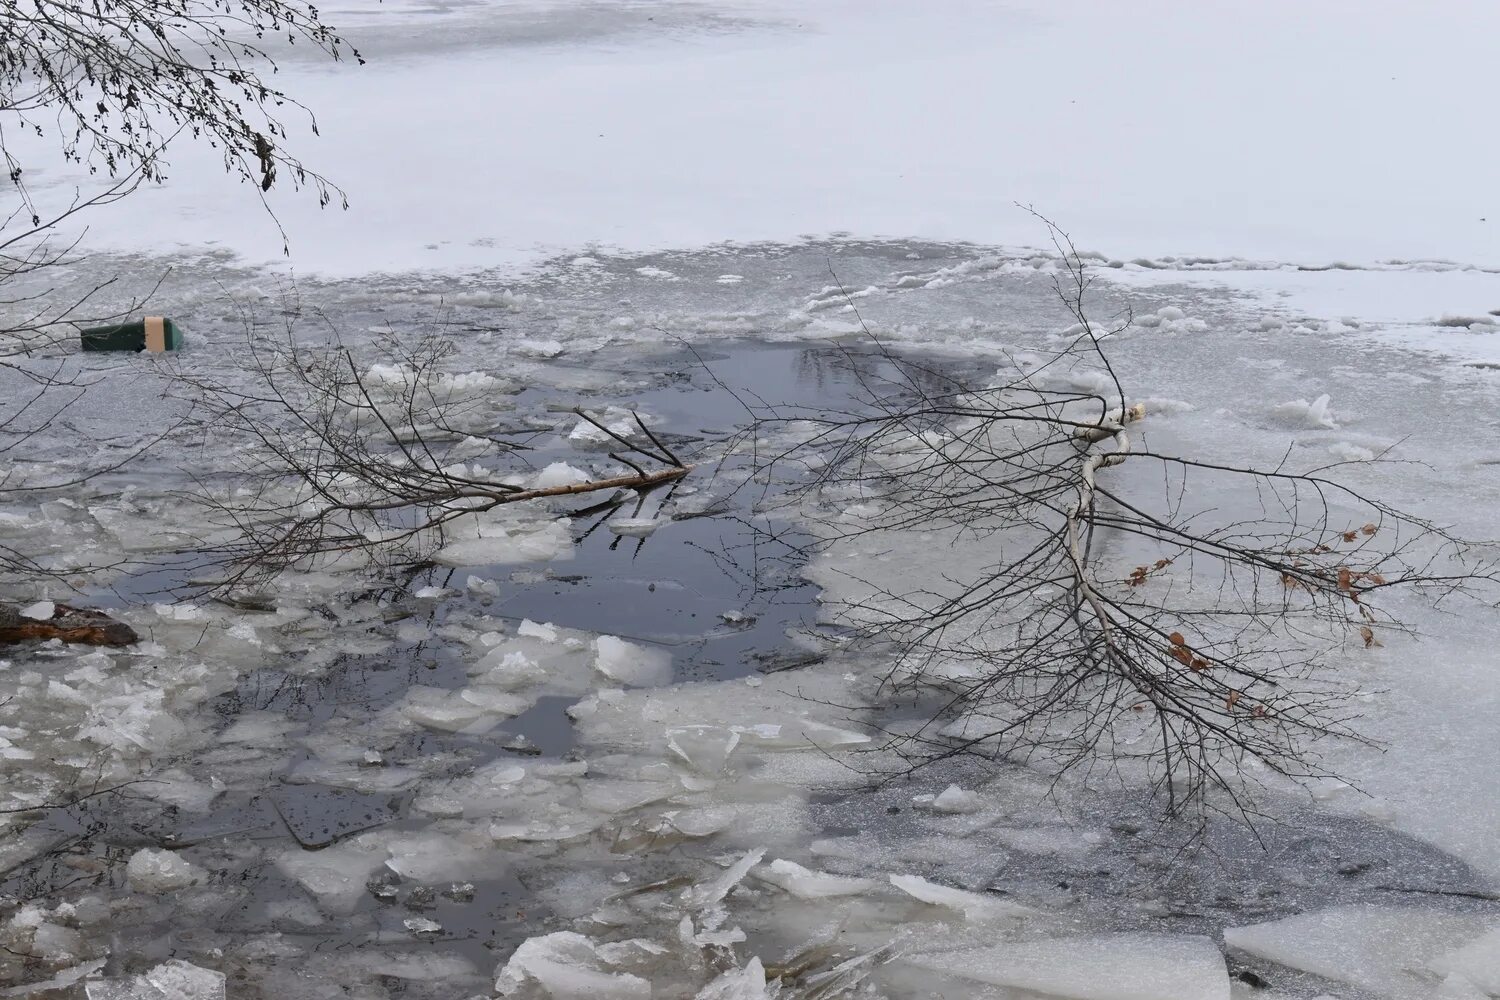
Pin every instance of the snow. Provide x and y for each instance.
(1138, 168)
(1113, 967)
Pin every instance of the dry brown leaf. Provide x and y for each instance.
(1369, 529)
(1346, 579)
(1176, 639)
(1232, 700)
(1368, 635)
(1350, 536)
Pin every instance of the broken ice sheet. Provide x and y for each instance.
(63, 979)
(1105, 967)
(567, 966)
(974, 906)
(630, 663)
(318, 815)
(174, 980)
(804, 883)
(1387, 950)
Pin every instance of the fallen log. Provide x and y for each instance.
(70, 624)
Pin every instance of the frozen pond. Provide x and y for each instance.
(378, 788)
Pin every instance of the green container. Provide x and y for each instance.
(151, 333)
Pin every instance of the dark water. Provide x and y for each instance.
(718, 586)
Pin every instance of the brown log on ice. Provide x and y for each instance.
(70, 624)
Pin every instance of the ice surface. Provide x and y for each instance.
(1158, 195)
(1478, 962)
(151, 870)
(40, 611)
(1111, 967)
(1386, 950)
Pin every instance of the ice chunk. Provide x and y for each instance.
(41, 611)
(154, 871)
(974, 906)
(1107, 967)
(567, 966)
(495, 539)
(1478, 962)
(636, 527)
(748, 983)
(1377, 948)
(537, 630)
(174, 980)
(957, 801)
(436, 857)
(706, 748)
(422, 927)
(63, 979)
(336, 875)
(468, 710)
(631, 664)
(511, 669)
(559, 474)
(709, 893)
(799, 734)
(1301, 413)
(804, 883)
